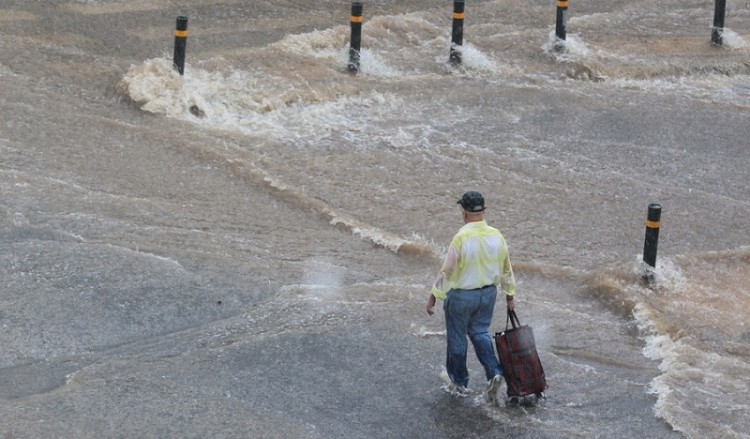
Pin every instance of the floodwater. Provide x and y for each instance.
(246, 251)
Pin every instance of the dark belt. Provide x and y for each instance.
(481, 288)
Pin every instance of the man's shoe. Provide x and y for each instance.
(458, 390)
(491, 394)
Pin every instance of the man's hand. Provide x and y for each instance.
(431, 305)
(511, 303)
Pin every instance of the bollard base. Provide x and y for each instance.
(649, 279)
(647, 274)
(455, 56)
(717, 35)
(353, 65)
(559, 45)
(197, 112)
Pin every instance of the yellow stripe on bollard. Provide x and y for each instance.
(458, 15)
(356, 19)
(181, 33)
(653, 224)
(562, 3)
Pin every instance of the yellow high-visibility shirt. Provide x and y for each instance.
(477, 257)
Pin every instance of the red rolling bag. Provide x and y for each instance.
(522, 368)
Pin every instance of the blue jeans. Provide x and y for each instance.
(469, 312)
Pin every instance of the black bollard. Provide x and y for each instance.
(653, 221)
(457, 36)
(718, 29)
(562, 18)
(356, 39)
(180, 42)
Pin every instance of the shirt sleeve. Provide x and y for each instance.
(439, 289)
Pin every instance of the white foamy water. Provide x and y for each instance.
(693, 320)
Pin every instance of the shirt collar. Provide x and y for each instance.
(474, 225)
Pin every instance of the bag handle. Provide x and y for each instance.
(512, 319)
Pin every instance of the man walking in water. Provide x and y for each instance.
(477, 262)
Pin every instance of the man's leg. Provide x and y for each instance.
(478, 327)
(456, 322)
(479, 324)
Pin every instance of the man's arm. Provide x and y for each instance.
(438, 289)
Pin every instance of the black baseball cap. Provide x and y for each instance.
(472, 201)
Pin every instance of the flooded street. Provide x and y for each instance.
(246, 250)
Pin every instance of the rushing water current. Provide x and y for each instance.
(245, 251)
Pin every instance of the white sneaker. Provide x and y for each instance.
(457, 390)
(494, 385)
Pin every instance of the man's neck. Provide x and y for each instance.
(473, 218)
